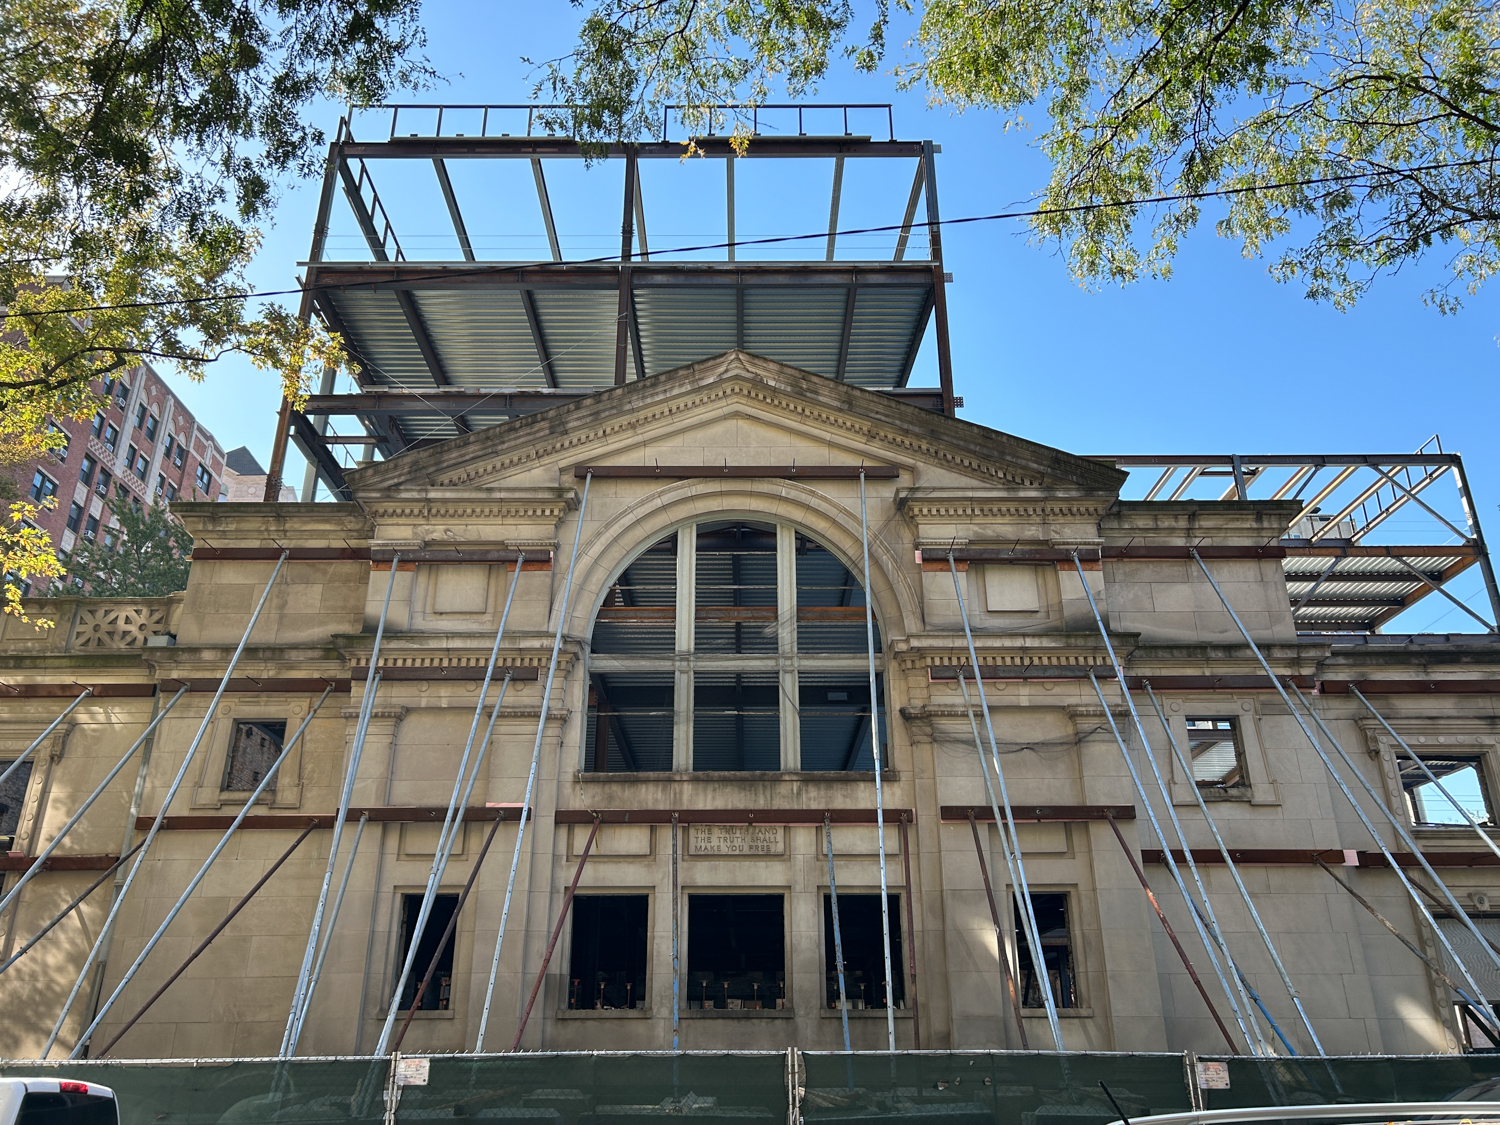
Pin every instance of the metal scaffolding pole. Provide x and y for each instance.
(911, 942)
(41, 738)
(562, 916)
(1210, 931)
(989, 894)
(676, 945)
(329, 928)
(1161, 916)
(838, 934)
(885, 905)
(536, 754)
(452, 819)
(36, 865)
(72, 906)
(1469, 818)
(356, 751)
(1234, 871)
(202, 872)
(1253, 1041)
(161, 816)
(1405, 837)
(437, 953)
(207, 941)
(1005, 820)
(1343, 787)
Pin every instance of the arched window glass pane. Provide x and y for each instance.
(834, 717)
(639, 613)
(629, 722)
(830, 602)
(736, 589)
(736, 721)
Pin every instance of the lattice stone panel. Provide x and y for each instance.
(118, 626)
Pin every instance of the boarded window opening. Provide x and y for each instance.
(736, 952)
(1214, 747)
(1057, 951)
(254, 750)
(1460, 776)
(864, 951)
(439, 992)
(607, 968)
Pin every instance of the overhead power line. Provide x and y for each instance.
(1039, 212)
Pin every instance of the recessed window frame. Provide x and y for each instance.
(1406, 770)
(786, 663)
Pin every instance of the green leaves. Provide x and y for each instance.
(1141, 98)
(150, 559)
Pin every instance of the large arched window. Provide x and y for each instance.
(732, 645)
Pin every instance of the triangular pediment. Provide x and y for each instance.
(740, 409)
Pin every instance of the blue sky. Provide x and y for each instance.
(1219, 359)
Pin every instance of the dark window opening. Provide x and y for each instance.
(834, 713)
(151, 423)
(830, 603)
(736, 952)
(1461, 777)
(205, 481)
(736, 589)
(91, 528)
(607, 968)
(255, 748)
(86, 469)
(736, 721)
(639, 614)
(860, 931)
(1214, 748)
(439, 992)
(12, 797)
(1057, 952)
(98, 427)
(75, 514)
(43, 487)
(140, 415)
(67, 1109)
(111, 437)
(105, 480)
(630, 722)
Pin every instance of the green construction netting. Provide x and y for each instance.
(600, 1089)
(210, 1092)
(1366, 1078)
(969, 1088)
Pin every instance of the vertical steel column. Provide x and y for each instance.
(939, 276)
(562, 916)
(1353, 803)
(36, 865)
(1234, 871)
(207, 941)
(41, 738)
(356, 752)
(885, 906)
(203, 869)
(838, 934)
(1015, 864)
(729, 200)
(1469, 817)
(989, 893)
(627, 239)
(911, 938)
(107, 928)
(453, 819)
(1476, 534)
(536, 754)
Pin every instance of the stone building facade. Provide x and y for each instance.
(710, 713)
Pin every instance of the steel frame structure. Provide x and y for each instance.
(424, 332)
(1339, 577)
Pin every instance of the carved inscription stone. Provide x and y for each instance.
(736, 839)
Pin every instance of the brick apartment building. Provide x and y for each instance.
(145, 446)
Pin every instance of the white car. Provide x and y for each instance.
(53, 1101)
